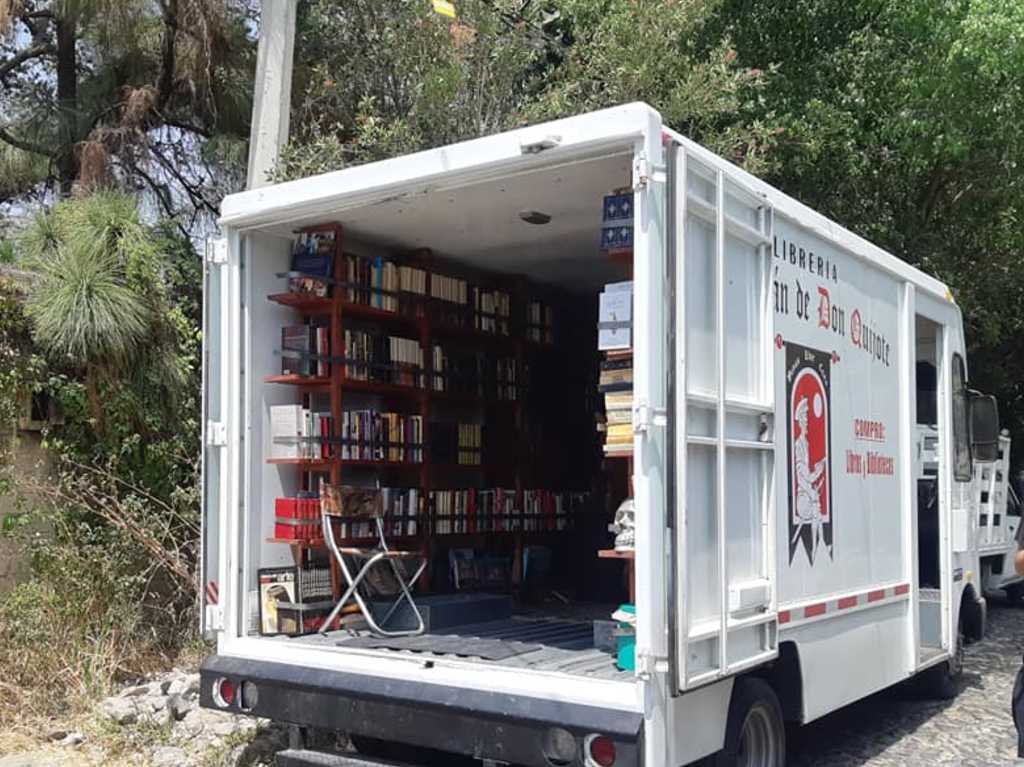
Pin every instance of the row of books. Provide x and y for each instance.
(305, 350)
(370, 435)
(456, 443)
(492, 310)
(378, 282)
(474, 373)
(298, 432)
(383, 359)
(539, 323)
(467, 510)
(499, 510)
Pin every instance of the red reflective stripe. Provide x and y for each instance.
(784, 616)
(874, 596)
(811, 610)
(847, 602)
(212, 592)
(903, 588)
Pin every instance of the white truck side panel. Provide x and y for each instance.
(837, 341)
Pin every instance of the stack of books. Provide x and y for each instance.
(298, 518)
(369, 435)
(298, 432)
(383, 359)
(312, 257)
(616, 381)
(305, 350)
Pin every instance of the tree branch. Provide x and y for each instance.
(23, 145)
(165, 79)
(27, 54)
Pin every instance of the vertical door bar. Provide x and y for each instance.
(723, 562)
(681, 569)
(910, 459)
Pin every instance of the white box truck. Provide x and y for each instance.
(792, 553)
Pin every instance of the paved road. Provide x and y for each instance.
(891, 729)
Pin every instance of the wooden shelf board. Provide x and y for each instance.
(379, 464)
(305, 382)
(362, 311)
(303, 462)
(375, 387)
(613, 554)
(303, 302)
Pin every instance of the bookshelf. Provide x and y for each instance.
(505, 322)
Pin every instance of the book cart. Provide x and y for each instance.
(520, 330)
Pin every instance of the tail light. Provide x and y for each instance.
(223, 692)
(599, 751)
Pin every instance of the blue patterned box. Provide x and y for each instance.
(617, 222)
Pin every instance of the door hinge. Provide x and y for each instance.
(646, 417)
(214, 618)
(216, 250)
(644, 172)
(216, 434)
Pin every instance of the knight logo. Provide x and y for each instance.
(808, 451)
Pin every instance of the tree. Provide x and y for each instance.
(375, 78)
(904, 120)
(154, 93)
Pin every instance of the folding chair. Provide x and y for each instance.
(360, 505)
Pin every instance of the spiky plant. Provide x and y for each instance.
(97, 301)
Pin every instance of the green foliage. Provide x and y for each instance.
(374, 79)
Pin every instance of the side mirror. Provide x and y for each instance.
(984, 426)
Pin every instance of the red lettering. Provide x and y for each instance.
(824, 308)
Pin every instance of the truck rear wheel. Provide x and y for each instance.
(755, 735)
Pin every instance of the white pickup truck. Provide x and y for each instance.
(797, 546)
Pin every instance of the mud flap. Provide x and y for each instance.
(1017, 709)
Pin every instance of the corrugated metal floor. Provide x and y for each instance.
(550, 645)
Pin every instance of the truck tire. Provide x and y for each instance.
(755, 735)
(1014, 594)
(942, 681)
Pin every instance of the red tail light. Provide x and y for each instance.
(601, 750)
(223, 692)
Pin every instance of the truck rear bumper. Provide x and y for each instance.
(515, 729)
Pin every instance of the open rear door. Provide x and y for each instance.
(214, 433)
(724, 549)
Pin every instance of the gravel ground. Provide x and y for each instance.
(891, 728)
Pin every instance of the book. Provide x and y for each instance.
(615, 308)
(619, 430)
(618, 400)
(383, 359)
(620, 375)
(285, 431)
(619, 415)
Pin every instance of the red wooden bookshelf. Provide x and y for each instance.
(418, 318)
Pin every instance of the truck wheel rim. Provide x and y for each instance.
(758, 742)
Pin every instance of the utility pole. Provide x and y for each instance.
(273, 88)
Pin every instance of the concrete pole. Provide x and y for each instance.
(273, 88)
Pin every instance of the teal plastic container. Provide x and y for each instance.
(625, 639)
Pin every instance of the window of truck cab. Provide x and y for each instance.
(961, 446)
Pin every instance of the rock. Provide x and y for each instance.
(192, 686)
(121, 710)
(169, 756)
(134, 692)
(159, 703)
(165, 685)
(56, 734)
(72, 739)
(179, 706)
(30, 759)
